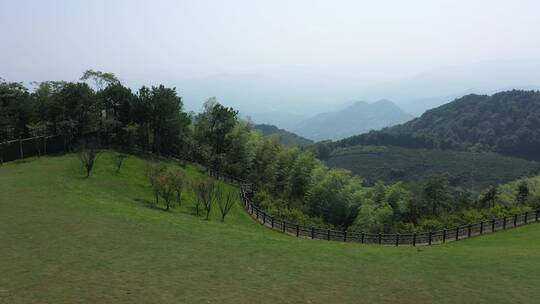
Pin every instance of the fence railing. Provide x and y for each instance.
(415, 239)
(28, 147)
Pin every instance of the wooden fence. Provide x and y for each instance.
(28, 147)
(415, 239)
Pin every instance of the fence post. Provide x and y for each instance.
(492, 225)
(457, 233)
(362, 238)
(312, 232)
(272, 219)
(264, 218)
(284, 226)
(430, 236)
(515, 220)
(469, 231)
(20, 148)
(328, 234)
(297, 230)
(537, 211)
(345, 236)
(481, 228)
(380, 238)
(414, 239)
(397, 239)
(444, 235)
(526, 216)
(257, 212)
(504, 223)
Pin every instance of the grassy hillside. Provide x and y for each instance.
(66, 239)
(393, 164)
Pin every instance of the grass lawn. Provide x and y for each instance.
(68, 239)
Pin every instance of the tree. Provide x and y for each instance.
(177, 180)
(226, 203)
(153, 170)
(88, 155)
(163, 124)
(100, 79)
(522, 193)
(119, 160)
(437, 193)
(165, 187)
(330, 196)
(208, 192)
(213, 125)
(489, 199)
(300, 175)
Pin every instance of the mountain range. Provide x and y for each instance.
(506, 122)
(357, 118)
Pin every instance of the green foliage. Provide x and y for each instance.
(437, 193)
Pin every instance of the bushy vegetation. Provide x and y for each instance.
(292, 182)
(506, 122)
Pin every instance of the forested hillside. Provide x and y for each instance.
(474, 171)
(287, 138)
(506, 122)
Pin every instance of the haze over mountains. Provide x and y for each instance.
(283, 97)
(360, 117)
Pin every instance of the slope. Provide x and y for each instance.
(69, 239)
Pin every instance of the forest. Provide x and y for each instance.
(293, 183)
(507, 122)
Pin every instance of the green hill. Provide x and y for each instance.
(506, 122)
(287, 138)
(466, 169)
(66, 239)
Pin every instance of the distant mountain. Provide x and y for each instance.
(360, 117)
(436, 87)
(306, 92)
(506, 122)
(287, 138)
(282, 119)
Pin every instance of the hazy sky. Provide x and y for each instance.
(370, 41)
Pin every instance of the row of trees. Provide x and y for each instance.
(169, 184)
(293, 183)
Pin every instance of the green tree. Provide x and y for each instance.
(437, 193)
(489, 199)
(300, 175)
(522, 192)
(213, 125)
(100, 79)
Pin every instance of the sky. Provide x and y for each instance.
(178, 42)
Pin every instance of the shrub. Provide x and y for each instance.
(88, 156)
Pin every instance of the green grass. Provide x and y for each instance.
(465, 169)
(68, 239)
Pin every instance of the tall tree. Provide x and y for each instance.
(437, 193)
